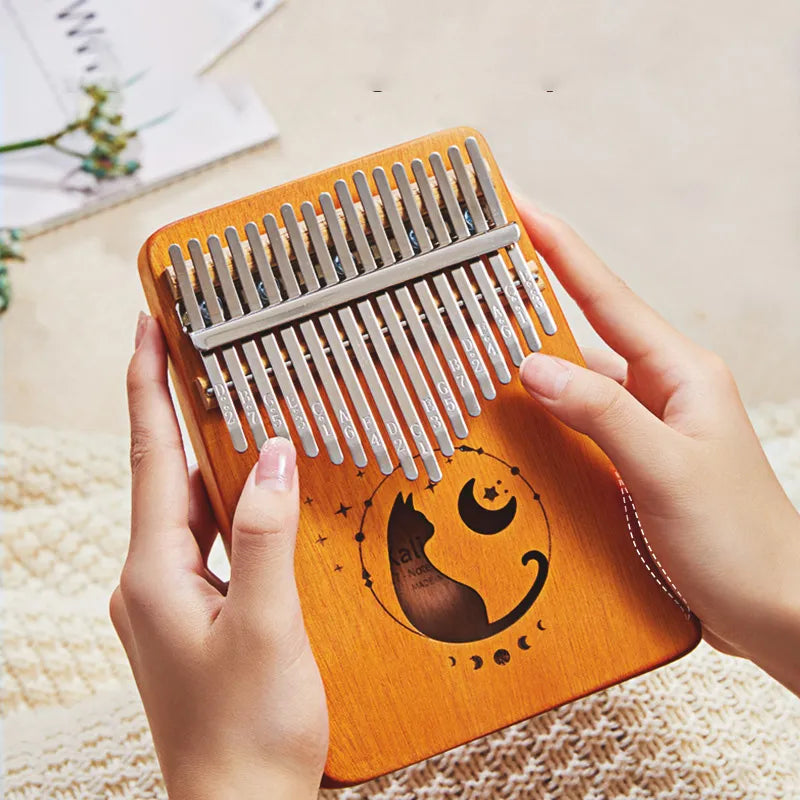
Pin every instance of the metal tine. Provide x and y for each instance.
(391, 212)
(431, 308)
(289, 335)
(414, 217)
(337, 236)
(431, 361)
(368, 422)
(353, 223)
(367, 314)
(378, 393)
(229, 354)
(340, 410)
(273, 351)
(396, 384)
(296, 410)
(373, 219)
(475, 311)
(288, 279)
(462, 331)
(268, 282)
(318, 243)
(429, 203)
(498, 217)
(210, 361)
(318, 410)
(293, 347)
(400, 391)
(495, 259)
(416, 375)
(454, 363)
(418, 330)
(310, 277)
(485, 285)
(323, 367)
(480, 322)
(448, 196)
(250, 349)
(340, 356)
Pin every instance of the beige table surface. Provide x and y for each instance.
(666, 132)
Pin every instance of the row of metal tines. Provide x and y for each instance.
(300, 314)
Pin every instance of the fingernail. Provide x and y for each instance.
(141, 327)
(276, 464)
(545, 376)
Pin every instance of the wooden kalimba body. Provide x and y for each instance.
(464, 561)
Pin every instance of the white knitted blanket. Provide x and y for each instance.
(707, 726)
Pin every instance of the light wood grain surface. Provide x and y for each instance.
(667, 133)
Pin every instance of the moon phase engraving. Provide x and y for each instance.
(477, 661)
(522, 643)
(540, 626)
(483, 520)
(502, 657)
(452, 661)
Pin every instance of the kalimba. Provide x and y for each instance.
(464, 561)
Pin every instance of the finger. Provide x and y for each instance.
(606, 362)
(624, 321)
(158, 464)
(634, 439)
(263, 537)
(202, 522)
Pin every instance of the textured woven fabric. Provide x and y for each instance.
(707, 726)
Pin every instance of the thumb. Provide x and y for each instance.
(636, 441)
(264, 532)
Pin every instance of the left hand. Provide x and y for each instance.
(232, 693)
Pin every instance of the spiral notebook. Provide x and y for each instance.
(48, 50)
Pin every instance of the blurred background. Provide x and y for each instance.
(667, 134)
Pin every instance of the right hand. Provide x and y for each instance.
(669, 416)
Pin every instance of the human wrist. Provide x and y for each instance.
(776, 646)
(245, 783)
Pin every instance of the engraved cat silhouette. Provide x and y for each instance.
(436, 605)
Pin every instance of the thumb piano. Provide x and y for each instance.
(464, 561)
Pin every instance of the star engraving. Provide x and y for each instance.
(360, 473)
(431, 486)
(338, 568)
(308, 501)
(343, 509)
(322, 539)
(490, 493)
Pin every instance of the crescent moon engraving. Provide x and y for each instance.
(540, 626)
(477, 661)
(484, 520)
(522, 643)
(452, 661)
